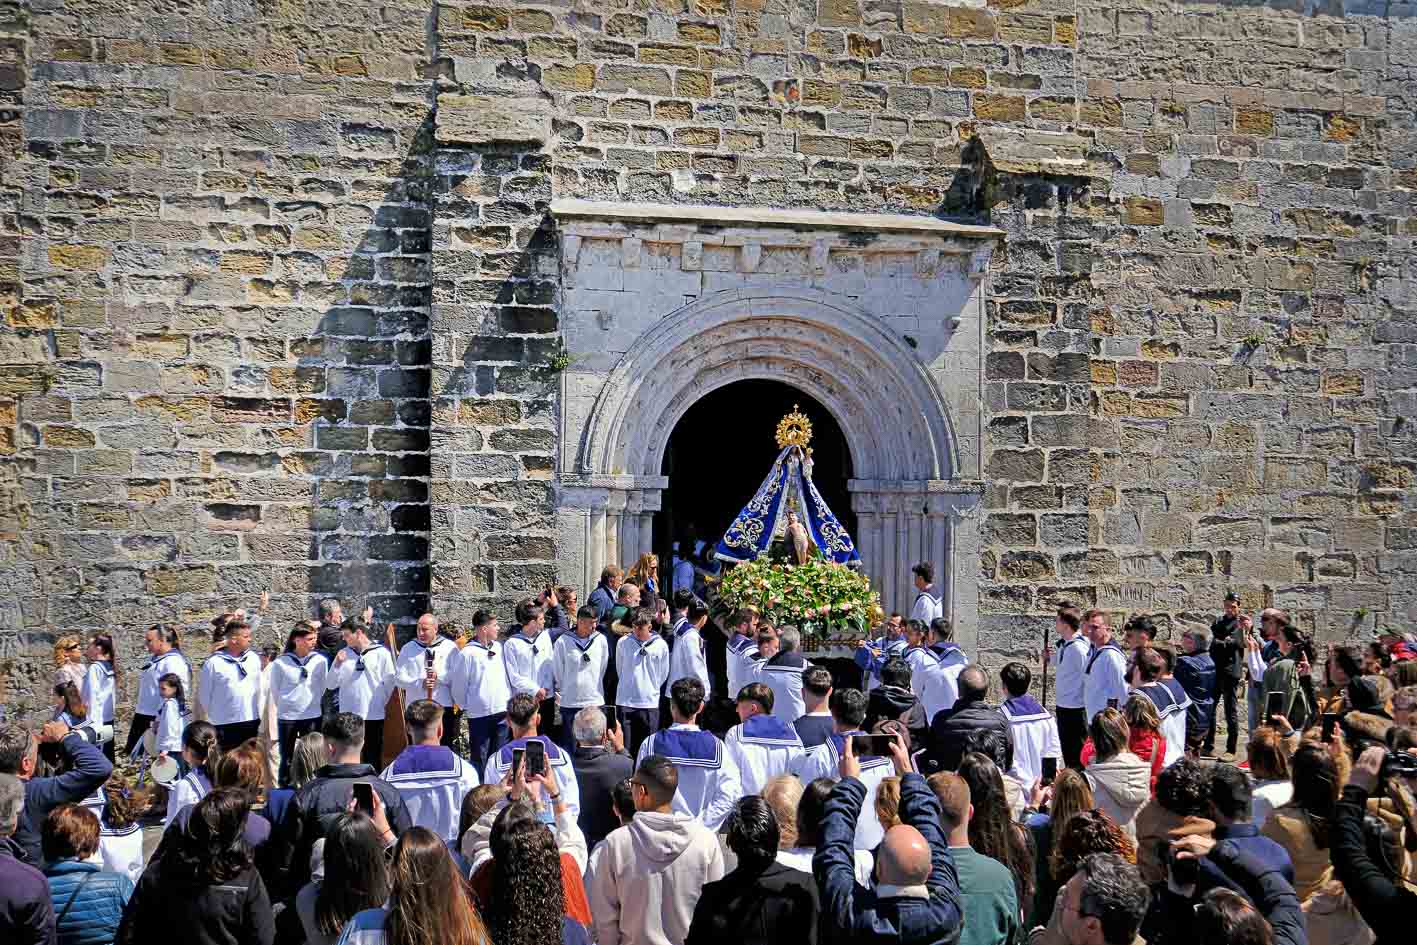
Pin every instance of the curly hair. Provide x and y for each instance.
(1085, 834)
(992, 831)
(528, 902)
(1184, 788)
(213, 849)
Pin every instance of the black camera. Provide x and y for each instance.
(1400, 764)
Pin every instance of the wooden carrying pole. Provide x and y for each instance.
(1045, 666)
(395, 735)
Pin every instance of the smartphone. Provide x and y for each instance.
(1050, 770)
(517, 755)
(1112, 703)
(1330, 721)
(877, 745)
(1274, 705)
(363, 797)
(535, 758)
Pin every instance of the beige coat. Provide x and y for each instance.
(1120, 786)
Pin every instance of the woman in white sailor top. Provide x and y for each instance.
(98, 691)
(298, 685)
(231, 691)
(164, 656)
(578, 662)
(172, 719)
(364, 675)
(425, 659)
(642, 661)
(528, 658)
(477, 677)
(201, 750)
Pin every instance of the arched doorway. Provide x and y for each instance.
(723, 446)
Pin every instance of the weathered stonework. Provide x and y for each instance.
(271, 320)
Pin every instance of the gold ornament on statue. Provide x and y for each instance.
(794, 429)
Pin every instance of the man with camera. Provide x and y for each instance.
(19, 756)
(1362, 860)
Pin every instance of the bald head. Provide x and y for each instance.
(427, 628)
(904, 857)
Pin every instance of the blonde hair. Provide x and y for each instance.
(1071, 796)
(1110, 734)
(888, 802)
(783, 793)
(1268, 759)
(1140, 715)
(62, 647)
(646, 567)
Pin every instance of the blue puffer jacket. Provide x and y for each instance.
(1196, 674)
(93, 916)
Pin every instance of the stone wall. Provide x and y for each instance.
(281, 293)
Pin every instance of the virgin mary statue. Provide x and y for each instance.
(788, 508)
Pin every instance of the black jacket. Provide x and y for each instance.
(897, 704)
(598, 770)
(312, 811)
(168, 908)
(1384, 905)
(1227, 647)
(1171, 917)
(756, 905)
(953, 727)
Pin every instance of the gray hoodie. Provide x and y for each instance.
(1120, 786)
(648, 879)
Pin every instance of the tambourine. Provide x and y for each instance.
(150, 743)
(165, 771)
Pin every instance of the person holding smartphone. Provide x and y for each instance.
(1284, 678)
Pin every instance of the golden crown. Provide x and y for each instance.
(794, 429)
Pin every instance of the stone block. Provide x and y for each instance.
(493, 119)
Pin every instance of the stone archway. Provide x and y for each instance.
(891, 392)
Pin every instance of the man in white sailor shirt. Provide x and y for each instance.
(1031, 727)
(230, 691)
(163, 657)
(642, 662)
(782, 672)
(477, 677)
(848, 707)
(1069, 661)
(522, 720)
(742, 651)
(1148, 670)
(578, 662)
(687, 657)
(1105, 677)
(528, 657)
(430, 778)
(708, 778)
(928, 604)
(364, 674)
(935, 669)
(424, 660)
(762, 746)
(297, 684)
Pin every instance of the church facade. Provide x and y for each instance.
(1112, 301)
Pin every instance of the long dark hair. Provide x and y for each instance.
(429, 902)
(200, 738)
(212, 849)
(104, 642)
(992, 831)
(528, 902)
(175, 681)
(73, 700)
(356, 875)
(1315, 778)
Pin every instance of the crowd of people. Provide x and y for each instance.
(563, 783)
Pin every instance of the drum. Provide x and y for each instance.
(165, 771)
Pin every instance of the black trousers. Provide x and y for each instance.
(373, 753)
(136, 728)
(289, 731)
(450, 728)
(231, 736)
(1072, 732)
(1225, 688)
(637, 725)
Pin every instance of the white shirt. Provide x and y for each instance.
(686, 658)
(800, 858)
(934, 676)
(761, 749)
(1267, 796)
(642, 667)
(822, 762)
(708, 777)
(98, 691)
(432, 781)
(171, 723)
(578, 669)
(412, 669)
(364, 682)
(1035, 736)
(501, 762)
(528, 663)
(783, 675)
(1171, 709)
(121, 851)
(1070, 663)
(741, 658)
(928, 606)
(149, 699)
(298, 685)
(1104, 677)
(231, 687)
(477, 676)
(189, 789)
